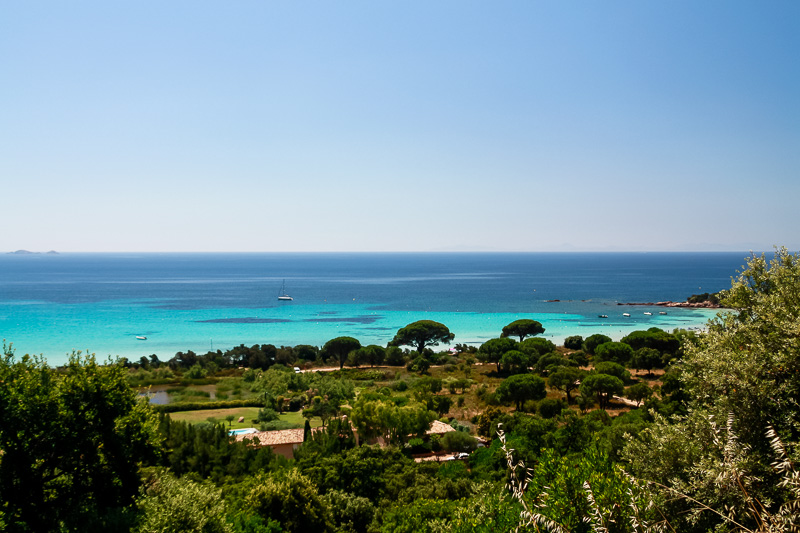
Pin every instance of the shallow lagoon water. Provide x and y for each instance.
(52, 305)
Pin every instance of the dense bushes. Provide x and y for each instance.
(196, 406)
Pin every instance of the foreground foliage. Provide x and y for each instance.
(71, 443)
(735, 449)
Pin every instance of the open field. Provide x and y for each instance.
(249, 413)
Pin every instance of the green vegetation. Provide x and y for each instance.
(523, 328)
(340, 348)
(70, 444)
(421, 334)
(706, 440)
(712, 298)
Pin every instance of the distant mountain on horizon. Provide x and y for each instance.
(28, 252)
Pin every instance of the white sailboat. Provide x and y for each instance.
(282, 294)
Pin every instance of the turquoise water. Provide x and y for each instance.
(110, 328)
(101, 302)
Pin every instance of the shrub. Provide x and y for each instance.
(180, 504)
(196, 406)
(196, 372)
(417, 445)
(349, 512)
(458, 441)
(291, 498)
(266, 415)
(420, 364)
(400, 385)
(276, 425)
(550, 408)
(296, 403)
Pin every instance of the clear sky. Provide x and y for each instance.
(399, 126)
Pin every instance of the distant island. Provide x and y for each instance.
(28, 252)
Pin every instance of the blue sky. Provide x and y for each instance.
(400, 126)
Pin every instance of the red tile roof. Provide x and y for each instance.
(274, 438)
(438, 427)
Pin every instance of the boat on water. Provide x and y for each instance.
(141, 338)
(602, 316)
(648, 313)
(282, 294)
(626, 314)
(662, 312)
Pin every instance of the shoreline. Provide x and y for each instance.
(169, 332)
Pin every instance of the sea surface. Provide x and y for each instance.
(54, 304)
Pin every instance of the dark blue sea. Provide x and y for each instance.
(53, 304)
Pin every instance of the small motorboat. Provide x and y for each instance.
(648, 313)
(662, 312)
(602, 316)
(141, 338)
(626, 314)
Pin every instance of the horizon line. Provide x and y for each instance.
(56, 252)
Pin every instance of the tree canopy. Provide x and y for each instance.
(493, 350)
(378, 418)
(520, 388)
(372, 354)
(523, 328)
(602, 386)
(573, 342)
(70, 442)
(593, 341)
(340, 347)
(617, 352)
(566, 379)
(646, 359)
(655, 338)
(515, 362)
(537, 346)
(423, 333)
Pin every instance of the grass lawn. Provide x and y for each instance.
(249, 413)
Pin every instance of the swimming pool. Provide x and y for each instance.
(245, 431)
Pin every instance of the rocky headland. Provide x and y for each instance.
(696, 305)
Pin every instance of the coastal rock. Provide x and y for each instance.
(698, 305)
